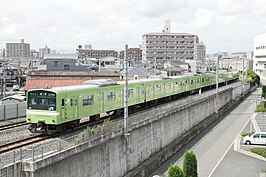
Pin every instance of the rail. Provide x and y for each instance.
(12, 125)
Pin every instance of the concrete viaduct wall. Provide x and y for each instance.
(137, 154)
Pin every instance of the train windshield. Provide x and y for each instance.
(42, 100)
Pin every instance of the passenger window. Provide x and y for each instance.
(263, 135)
(256, 136)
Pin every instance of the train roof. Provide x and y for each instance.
(104, 83)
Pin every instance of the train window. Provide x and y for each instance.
(110, 96)
(42, 100)
(202, 80)
(176, 84)
(63, 102)
(88, 100)
(186, 82)
(168, 86)
(191, 81)
(151, 88)
(158, 87)
(130, 93)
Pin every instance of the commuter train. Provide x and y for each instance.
(57, 109)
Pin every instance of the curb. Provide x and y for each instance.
(238, 149)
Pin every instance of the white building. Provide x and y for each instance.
(259, 58)
(45, 50)
(165, 46)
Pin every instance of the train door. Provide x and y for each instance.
(101, 99)
(74, 104)
(63, 105)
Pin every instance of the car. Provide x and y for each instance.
(255, 138)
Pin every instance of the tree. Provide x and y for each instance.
(190, 164)
(253, 78)
(263, 94)
(175, 171)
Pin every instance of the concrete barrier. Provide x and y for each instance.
(11, 111)
(154, 137)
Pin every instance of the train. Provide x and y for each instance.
(56, 109)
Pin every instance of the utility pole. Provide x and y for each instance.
(4, 74)
(242, 83)
(126, 91)
(217, 82)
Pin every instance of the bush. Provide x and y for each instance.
(246, 134)
(253, 78)
(259, 151)
(190, 165)
(260, 107)
(175, 171)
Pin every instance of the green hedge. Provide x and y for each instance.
(260, 107)
(246, 134)
(259, 151)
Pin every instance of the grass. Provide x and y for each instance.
(260, 107)
(259, 151)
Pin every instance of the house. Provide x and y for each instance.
(66, 62)
(136, 73)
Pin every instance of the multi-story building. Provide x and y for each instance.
(239, 55)
(83, 53)
(21, 50)
(259, 58)
(200, 50)
(43, 51)
(134, 54)
(165, 46)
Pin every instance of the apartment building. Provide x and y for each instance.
(200, 50)
(259, 57)
(134, 54)
(165, 46)
(20, 50)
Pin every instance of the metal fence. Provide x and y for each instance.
(13, 110)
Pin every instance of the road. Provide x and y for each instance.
(214, 148)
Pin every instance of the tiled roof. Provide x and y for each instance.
(34, 83)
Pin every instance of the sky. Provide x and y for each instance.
(223, 25)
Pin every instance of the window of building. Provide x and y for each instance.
(88, 100)
(66, 67)
(55, 63)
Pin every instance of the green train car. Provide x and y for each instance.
(60, 108)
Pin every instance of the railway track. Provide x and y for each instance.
(13, 125)
(38, 138)
(23, 142)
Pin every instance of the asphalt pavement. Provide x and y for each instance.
(218, 149)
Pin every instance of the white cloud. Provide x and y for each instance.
(109, 24)
(203, 18)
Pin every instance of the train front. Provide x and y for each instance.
(41, 111)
